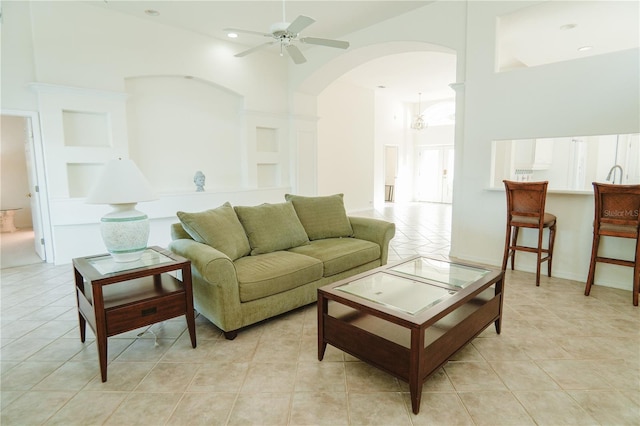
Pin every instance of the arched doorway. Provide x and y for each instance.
(368, 106)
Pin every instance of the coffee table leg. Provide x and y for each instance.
(189, 315)
(499, 291)
(415, 381)
(79, 287)
(101, 329)
(322, 310)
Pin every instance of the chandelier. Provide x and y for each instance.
(418, 123)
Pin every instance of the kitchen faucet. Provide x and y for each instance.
(613, 172)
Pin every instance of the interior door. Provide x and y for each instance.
(390, 171)
(435, 174)
(34, 190)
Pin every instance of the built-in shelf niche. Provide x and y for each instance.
(81, 177)
(266, 139)
(267, 175)
(86, 129)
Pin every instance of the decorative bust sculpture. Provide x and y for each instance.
(198, 179)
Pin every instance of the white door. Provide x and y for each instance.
(434, 182)
(34, 190)
(390, 171)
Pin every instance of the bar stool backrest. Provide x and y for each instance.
(617, 209)
(525, 203)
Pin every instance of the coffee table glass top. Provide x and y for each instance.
(452, 274)
(106, 265)
(396, 292)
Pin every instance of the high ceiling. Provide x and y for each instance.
(334, 18)
(551, 31)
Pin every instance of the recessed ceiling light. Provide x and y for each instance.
(232, 35)
(567, 27)
(584, 48)
(151, 12)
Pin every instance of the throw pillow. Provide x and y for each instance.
(218, 228)
(322, 217)
(271, 227)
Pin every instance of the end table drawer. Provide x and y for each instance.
(137, 315)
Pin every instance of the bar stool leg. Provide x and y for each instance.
(539, 256)
(552, 240)
(514, 243)
(592, 265)
(505, 256)
(636, 275)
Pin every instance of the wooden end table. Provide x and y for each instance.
(408, 319)
(116, 297)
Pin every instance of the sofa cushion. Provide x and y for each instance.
(322, 217)
(218, 228)
(340, 254)
(266, 274)
(271, 227)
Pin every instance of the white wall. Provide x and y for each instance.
(188, 125)
(345, 144)
(18, 67)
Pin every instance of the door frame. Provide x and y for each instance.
(43, 215)
(389, 194)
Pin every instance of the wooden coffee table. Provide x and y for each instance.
(409, 318)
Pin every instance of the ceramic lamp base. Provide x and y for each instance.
(125, 232)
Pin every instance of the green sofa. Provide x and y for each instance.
(252, 263)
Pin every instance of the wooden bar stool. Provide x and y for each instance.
(525, 209)
(616, 215)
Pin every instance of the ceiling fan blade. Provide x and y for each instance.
(325, 42)
(253, 49)
(237, 30)
(296, 54)
(299, 24)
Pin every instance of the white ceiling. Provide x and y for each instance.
(553, 31)
(528, 37)
(334, 18)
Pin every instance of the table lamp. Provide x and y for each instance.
(125, 230)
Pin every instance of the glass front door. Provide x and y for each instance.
(434, 180)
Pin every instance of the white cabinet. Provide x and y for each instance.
(533, 154)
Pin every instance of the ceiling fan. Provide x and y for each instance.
(286, 34)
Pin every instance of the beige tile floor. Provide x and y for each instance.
(562, 358)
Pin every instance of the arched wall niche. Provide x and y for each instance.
(189, 124)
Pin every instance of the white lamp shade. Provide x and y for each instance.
(125, 230)
(121, 182)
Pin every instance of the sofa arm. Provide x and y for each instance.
(215, 283)
(375, 230)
